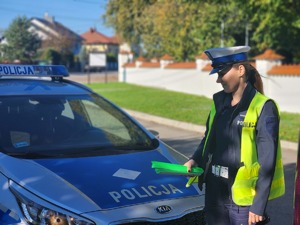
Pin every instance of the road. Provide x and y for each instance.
(185, 141)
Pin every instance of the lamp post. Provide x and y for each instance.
(222, 33)
(246, 31)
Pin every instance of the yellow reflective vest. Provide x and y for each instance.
(243, 189)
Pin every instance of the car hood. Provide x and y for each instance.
(98, 183)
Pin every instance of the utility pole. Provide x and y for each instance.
(247, 34)
(222, 33)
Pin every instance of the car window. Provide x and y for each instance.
(67, 112)
(66, 125)
(104, 120)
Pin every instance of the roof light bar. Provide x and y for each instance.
(33, 70)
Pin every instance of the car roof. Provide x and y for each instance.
(9, 87)
(38, 80)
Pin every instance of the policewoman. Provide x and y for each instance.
(240, 152)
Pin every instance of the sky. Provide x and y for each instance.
(77, 15)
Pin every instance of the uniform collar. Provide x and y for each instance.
(222, 99)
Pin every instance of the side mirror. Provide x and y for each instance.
(155, 143)
(155, 133)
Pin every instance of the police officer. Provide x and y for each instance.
(240, 152)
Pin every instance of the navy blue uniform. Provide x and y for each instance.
(224, 143)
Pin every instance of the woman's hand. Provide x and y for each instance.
(254, 218)
(189, 164)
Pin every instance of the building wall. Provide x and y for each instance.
(285, 90)
(186, 81)
(96, 48)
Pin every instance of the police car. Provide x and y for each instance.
(70, 156)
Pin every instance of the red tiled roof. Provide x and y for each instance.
(130, 64)
(141, 59)
(292, 70)
(155, 60)
(166, 57)
(115, 39)
(202, 56)
(269, 54)
(94, 37)
(123, 52)
(181, 65)
(207, 67)
(288, 70)
(150, 65)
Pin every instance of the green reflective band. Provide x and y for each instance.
(211, 120)
(175, 169)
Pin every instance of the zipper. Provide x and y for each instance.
(207, 165)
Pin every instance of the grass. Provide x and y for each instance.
(178, 106)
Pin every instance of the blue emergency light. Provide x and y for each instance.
(33, 70)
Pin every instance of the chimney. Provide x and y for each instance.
(48, 18)
(92, 30)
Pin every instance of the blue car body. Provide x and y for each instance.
(70, 156)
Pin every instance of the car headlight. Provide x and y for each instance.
(37, 214)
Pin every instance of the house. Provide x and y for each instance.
(55, 35)
(96, 42)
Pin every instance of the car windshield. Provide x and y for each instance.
(58, 126)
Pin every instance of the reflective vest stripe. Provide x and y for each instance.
(210, 122)
(243, 189)
(248, 130)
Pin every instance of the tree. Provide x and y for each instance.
(180, 28)
(49, 56)
(124, 17)
(171, 28)
(21, 44)
(276, 25)
(62, 45)
(184, 28)
(83, 57)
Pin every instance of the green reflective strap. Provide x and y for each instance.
(278, 186)
(175, 169)
(243, 189)
(210, 122)
(192, 180)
